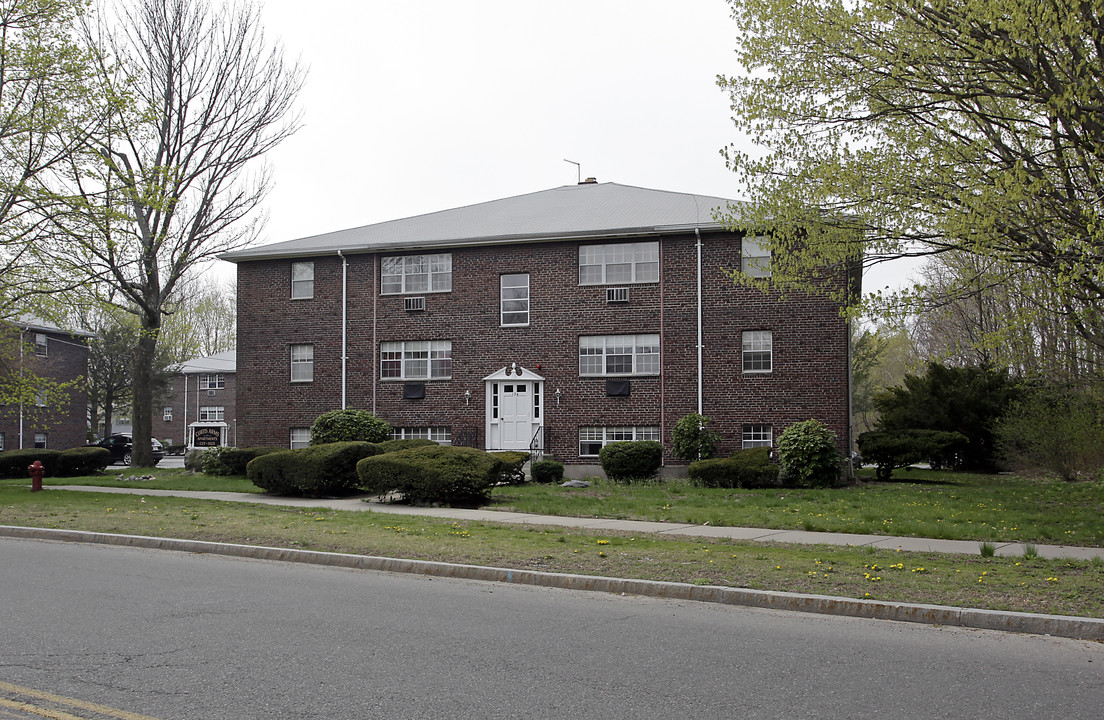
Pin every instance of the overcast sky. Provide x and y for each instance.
(424, 105)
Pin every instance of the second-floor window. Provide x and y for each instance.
(416, 360)
(41, 344)
(619, 263)
(302, 280)
(619, 355)
(168, 416)
(212, 382)
(302, 363)
(212, 413)
(416, 274)
(754, 257)
(758, 351)
(514, 299)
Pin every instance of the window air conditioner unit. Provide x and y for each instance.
(617, 295)
(415, 303)
(210, 393)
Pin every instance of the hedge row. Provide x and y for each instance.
(441, 473)
(58, 463)
(750, 468)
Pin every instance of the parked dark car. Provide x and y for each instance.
(121, 444)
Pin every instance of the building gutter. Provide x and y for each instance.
(697, 234)
(344, 325)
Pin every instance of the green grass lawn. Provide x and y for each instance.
(921, 503)
(1004, 583)
(163, 479)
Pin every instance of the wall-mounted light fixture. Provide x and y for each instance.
(467, 397)
(558, 394)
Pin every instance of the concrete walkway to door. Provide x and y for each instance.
(365, 503)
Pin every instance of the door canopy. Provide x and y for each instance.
(515, 372)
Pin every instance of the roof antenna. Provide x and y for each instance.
(578, 171)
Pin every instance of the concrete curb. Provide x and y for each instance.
(1081, 628)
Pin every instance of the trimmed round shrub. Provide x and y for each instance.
(749, 468)
(547, 471)
(312, 471)
(395, 445)
(348, 425)
(83, 461)
(631, 460)
(232, 460)
(13, 463)
(809, 455)
(692, 440)
(439, 474)
(513, 466)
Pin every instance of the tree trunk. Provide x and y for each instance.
(142, 417)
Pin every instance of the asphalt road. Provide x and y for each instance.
(179, 636)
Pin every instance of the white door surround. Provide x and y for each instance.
(515, 407)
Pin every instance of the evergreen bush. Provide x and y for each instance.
(13, 463)
(232, 460)
(631, 460)
(893, 449)
(438, 474)
(348, 425)
(809, 455)
(748, 468)
(547, 471)
(83, 461)
(311, 471)
(513, 466)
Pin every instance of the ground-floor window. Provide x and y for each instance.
(440, 435)
(40, 440)
(593, 439)
(758, 436)
(300, 437)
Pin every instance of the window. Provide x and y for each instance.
(41, 344)
(302, 363)
(212, 413)
(514, 299)
(40, 440)
(212, 382)
(302, 280)
(758, 436)
(416, 274)
(416, 360)
(593, 439)
(168, 414)
(300, 437)
(619, 263)
(40, 398)
(754, 258)
(619, 355)
(439, 435)
(757, 351)
(2, 445)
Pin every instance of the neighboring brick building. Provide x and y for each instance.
(563, 320)
(203, 395)
(53, 420)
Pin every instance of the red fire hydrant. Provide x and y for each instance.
(37, 471)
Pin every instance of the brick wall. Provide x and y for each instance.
(809, 377)
(186, 406)
(64, 417)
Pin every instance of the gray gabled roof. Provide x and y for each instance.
(223, 362)
(587, 210)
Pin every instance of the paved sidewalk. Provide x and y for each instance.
(962, 547)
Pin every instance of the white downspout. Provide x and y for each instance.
(344, 324)
(187, 442)
(697, 233)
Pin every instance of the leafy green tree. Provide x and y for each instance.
(808, 455)
(909, 128)
(966, 400)
(1058, 429)
(198, 96)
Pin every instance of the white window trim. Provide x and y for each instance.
(752, 254)
(611, 433)
(403, 348)
(42, 345)
(302, 362)
(436, 282)
(502, 300)
(441, 435)
(749, 430)
(635, 248)
(206, 383)
(744, 352)
(608, 340)
(167, 414)
(212, 413)
(294, 443)
(300, 285)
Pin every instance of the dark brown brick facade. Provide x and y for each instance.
(183, 405)
(63, 419)
(809, 378)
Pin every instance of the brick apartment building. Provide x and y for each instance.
(203, 395)
(560, 320)
(52, 420)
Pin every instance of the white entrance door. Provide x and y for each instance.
(515, 404)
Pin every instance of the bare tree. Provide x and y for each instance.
(204, 320)
(200, 96)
